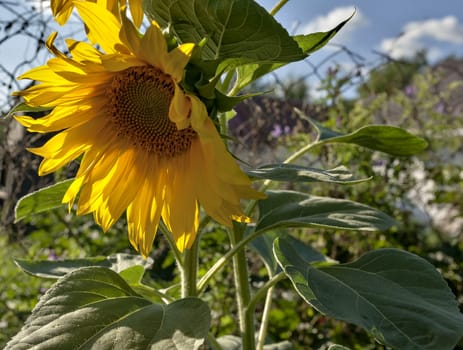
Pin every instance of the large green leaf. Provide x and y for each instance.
(246, 74)
(295, 209)
(298, 173)
(94, 308)
(312, 42)
(41, 200)
(384, 138)
(263, 245)
(398, 297)
(240, 30)
(58, 268)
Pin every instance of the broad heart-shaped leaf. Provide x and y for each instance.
(58, 268)
(240, 30)
(398, 297)
(295, 209)
(41, 200)
(94, 308)
(263, 245)
(298, 173)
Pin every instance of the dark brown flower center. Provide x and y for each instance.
(139, 101)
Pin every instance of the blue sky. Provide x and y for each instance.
(437, 25)
(395, 28)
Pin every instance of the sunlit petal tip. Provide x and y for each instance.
(241, 218)
(155, 24)
(187, 49)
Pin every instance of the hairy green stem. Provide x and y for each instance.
(220, 263)
(266, 289)
(189, 273)
(243, 288)
(278, 7)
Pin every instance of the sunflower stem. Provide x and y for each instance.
(266, 289)
(243, 288)
(278, 7)
(189, 273)
(220, 263)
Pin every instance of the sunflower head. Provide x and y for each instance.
(147, 146)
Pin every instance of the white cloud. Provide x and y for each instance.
(333, 18)
(420, 35)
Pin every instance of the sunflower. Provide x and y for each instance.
(148, 147)
(62, 9)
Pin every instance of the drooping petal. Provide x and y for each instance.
(137, 12)
(180, 108)
(181, 211)
(61, 10)
(144, 213)
(153, 47)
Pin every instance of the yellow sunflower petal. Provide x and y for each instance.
(83, 52)
(130, 35)
(103, 26)
(153, 47)
(61, 10)
(67, 145)
(177, 60)
(137, 12)
(179, 110)
(181, 211)
(143, 216)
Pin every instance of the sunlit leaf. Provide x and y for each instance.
(384, 138)
(295, 209)
(41, 200)
(246, 74)
(58, 268)
(396, 296)
(312, 42)
(238, 30)
(298, 173)
(94, 308)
